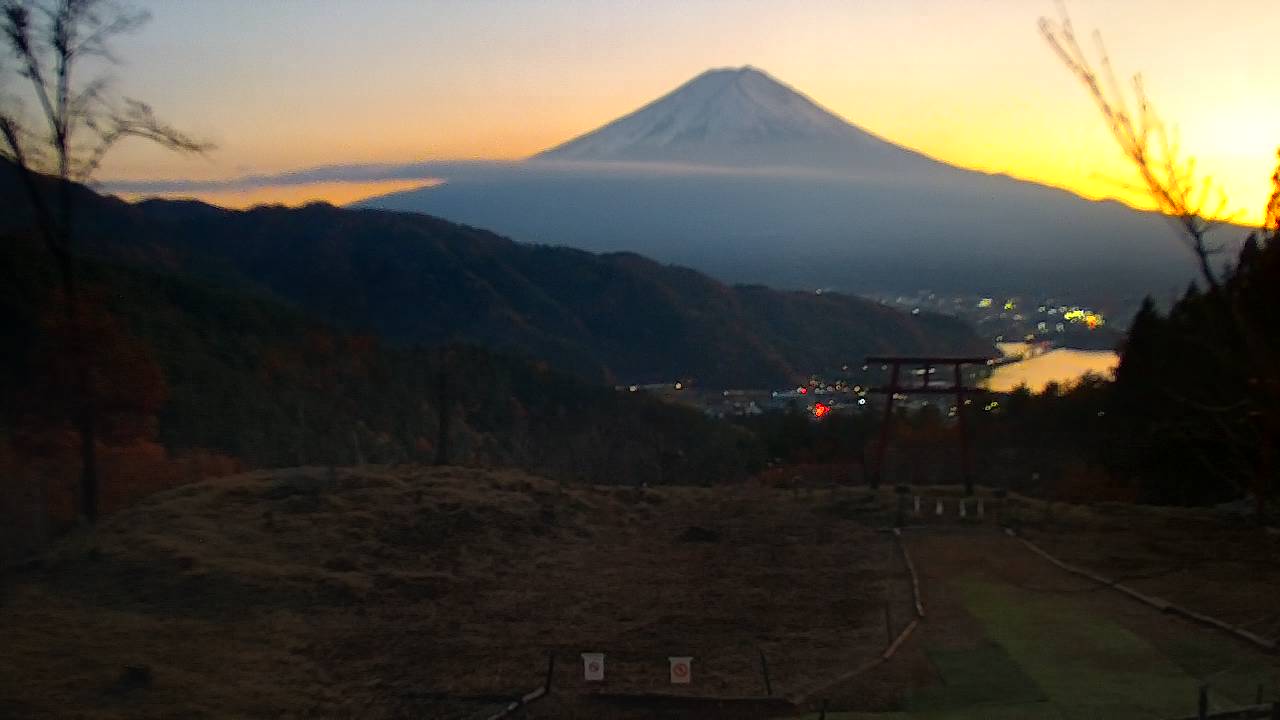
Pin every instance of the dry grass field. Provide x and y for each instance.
(414, 592)
(442, 593)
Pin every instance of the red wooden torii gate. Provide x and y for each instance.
(958, 389)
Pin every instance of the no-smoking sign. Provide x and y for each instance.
(681, 670)
(593, 666)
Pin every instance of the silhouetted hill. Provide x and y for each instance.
(417, 279)
(250, 379)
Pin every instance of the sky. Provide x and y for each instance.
(283, 85)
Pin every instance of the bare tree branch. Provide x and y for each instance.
(136, 120)
(1171, 181)
(47, 39)
(18, 31)
(46, 53)
(1154, 151)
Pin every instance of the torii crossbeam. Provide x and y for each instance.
(958, 389)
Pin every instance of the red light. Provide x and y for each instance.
(804, 391)
(820, 410)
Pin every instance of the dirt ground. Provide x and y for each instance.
(441, 593)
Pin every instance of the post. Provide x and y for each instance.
(822, 715)
(884, 427)
(1275, 710)
(764, 670)
(888, 625)
(1204, 703)
(551, 668)
(444, 411)
(965, 471)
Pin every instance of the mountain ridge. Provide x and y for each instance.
(416, 279)
(684, 184)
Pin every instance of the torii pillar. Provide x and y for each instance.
(895, 364)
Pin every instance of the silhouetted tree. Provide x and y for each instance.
(1229, 332)
(1167, 176)
(74, 124)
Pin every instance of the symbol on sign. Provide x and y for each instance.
(680, 670)
(594, 667)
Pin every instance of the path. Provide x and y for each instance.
(1009, 635)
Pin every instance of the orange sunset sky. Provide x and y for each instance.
(284, 86)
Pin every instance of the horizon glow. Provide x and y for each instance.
(285, 86)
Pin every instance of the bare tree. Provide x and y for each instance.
(73, 125)
(1171, 180)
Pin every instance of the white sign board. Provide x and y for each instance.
(681, 670)
(593, 666)
(938, 511)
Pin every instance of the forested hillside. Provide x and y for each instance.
(191, 379)
(1190, 418)
(413, 279)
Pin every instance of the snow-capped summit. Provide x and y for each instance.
(736, 117)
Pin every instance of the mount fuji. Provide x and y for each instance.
(742, 177)
(738, 117)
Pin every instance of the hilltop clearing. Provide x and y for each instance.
(442, 592)
(438, 593)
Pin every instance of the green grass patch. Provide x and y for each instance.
(1027, 711)
(1053, 657)
(1232, 672)
(974, 676)
(1090, 667)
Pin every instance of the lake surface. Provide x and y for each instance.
(1061, 366)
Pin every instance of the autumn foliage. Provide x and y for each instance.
(124, 389)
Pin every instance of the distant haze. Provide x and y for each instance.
(740, 175)
(285, 86)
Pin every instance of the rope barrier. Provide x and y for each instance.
(911, 569)
(1160, 604)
